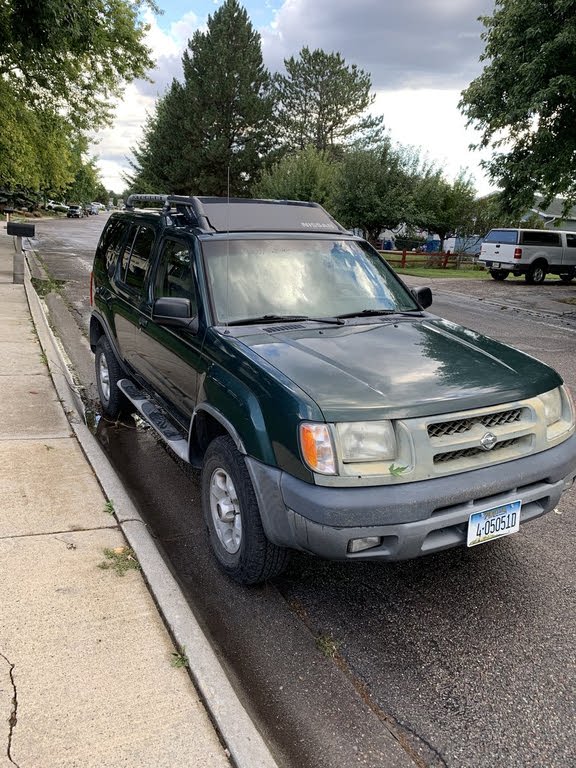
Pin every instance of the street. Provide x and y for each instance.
(465, 659)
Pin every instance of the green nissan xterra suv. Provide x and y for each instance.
(328, 410)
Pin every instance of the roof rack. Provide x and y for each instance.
(242, 214)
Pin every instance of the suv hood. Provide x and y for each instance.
(400, 369)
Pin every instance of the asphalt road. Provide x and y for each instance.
(465, 659)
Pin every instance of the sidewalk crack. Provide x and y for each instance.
(13, 719)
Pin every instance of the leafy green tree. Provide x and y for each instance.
(373, 189)
(72, 56)
(524, 102)
(442, 207)
(35, 151)
(86, 183)
(305, 175)
(322, 102)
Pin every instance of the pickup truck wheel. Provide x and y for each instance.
(233, 519)
(567, 277)
(536, 273)
(108, 373)
(499, 274)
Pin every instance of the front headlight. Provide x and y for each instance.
(366, 441)
(552, 402)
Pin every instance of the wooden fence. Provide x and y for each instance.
(407, 259)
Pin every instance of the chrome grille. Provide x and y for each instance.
(466, 453)
(488, 420)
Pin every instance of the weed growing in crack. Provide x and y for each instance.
(109, 507)
(120, 559)
(327, 646)
(179, 658)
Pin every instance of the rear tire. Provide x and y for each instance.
(499, 274)
(536, 273)
(108, 374)
(233, 519)
(567, 277)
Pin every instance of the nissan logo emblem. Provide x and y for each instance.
(488, 441)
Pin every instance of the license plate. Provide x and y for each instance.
(493, 523)
(496, 264)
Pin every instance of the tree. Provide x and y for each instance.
(306, 175)
(72, 56)
(373, 190)
(322, 102)
(524, 102)
(217, 124)
(441, 207)
(161, 161)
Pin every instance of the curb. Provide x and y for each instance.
(245, 745)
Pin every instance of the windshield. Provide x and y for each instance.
(309, 277)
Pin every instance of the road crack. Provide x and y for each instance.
(13, 719)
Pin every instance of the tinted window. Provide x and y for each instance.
(540, 237)
(112, 238)
(508, 236)
(571, 241)
(136, 258)
(174, 273)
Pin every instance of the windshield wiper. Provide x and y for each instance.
(286, 319)
(374, 312)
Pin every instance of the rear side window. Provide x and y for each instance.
(504, 236)
(109, 246)
(571, 241)
(540, 237)
(136, 258)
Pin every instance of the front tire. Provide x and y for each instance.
(499, 274)
(233, 519)
(567, 277)
(108, 374)
(536, 273)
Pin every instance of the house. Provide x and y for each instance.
(551, 214)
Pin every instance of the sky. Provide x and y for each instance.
(420, 55)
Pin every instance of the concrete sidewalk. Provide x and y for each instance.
(86, 674)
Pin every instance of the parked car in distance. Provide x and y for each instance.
(533, 253)
(328, 410)
(52, 205)
(75, 212)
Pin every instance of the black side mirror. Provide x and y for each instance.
(423, 296)
(175, 312)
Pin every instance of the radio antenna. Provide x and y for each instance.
(227, 242)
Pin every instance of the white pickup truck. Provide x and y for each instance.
(533, 253)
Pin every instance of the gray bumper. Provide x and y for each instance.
(412, 519)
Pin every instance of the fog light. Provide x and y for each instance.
(358, 545)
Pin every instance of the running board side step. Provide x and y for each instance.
(150, 412)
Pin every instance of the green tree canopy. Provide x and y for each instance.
(524, 102)
(322, 102)
(72, 56)
(374, 188)
(442, 207)
(306, 175)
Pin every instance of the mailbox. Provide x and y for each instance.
(20, 230)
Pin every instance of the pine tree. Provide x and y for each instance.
(210, 134)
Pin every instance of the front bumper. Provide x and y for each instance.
(411, 519)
